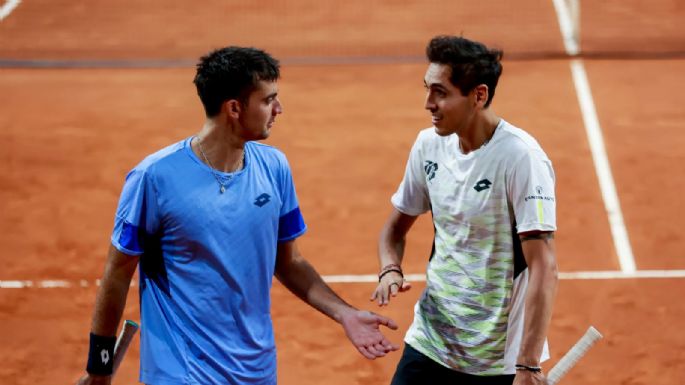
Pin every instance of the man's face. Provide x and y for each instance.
(450, 110)
(259, 113)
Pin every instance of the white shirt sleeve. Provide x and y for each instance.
(411, 197)
(531, 191)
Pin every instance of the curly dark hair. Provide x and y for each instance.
(472, 63)
(232, 73)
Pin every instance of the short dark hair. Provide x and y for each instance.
(232, 73)
(472, 63)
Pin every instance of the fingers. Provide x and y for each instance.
(394, 288)
(364, 351)
(377, 350)
(362, 329)
(372, 351)
(389, 346)
(389, 288)
(387, 322)
(380, 294)
(374, 294)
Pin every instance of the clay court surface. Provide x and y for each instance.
(96, 86)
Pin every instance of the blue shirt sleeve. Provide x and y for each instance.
(291, 223)
(137, 213)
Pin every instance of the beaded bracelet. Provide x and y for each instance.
(388, 268)
(534, 369)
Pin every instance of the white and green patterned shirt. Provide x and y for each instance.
(470, 316)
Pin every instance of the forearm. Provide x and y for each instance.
(539, 302)
(393, 238)
(112, 293)
(390, 248)
(301, 279)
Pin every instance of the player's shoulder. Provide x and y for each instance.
(427, 135)
(162, 156)
(428, 138)
(155, 163)
(517, 140)
(268, 154)
(265, 150)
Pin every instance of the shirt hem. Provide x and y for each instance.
(437, 360)
(407, 211)
(535, 226)
(291, 237)
(124, 250)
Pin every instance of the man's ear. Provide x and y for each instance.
(481, 94)
(232, 108)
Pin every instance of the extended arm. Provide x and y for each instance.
(361, 327)
(538, 250)
(111, 296)
(390, 252)
(110, 301)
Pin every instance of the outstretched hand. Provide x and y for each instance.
(391, 284)
(363, 330)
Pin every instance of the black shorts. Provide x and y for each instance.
(415, 368)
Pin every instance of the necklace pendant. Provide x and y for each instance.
(222, 189)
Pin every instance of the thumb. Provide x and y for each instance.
(405, 285)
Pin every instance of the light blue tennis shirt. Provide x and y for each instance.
(207, 261)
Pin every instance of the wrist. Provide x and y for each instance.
(392, 267)
(528, 368)
(527, 358)
(101, 355)
(343, 313)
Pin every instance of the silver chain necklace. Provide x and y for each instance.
(222, 187)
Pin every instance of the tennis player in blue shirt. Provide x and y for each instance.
(210, 220)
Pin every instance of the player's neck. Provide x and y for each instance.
(219, 147)
(479, 132)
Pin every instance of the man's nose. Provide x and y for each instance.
(429, 104)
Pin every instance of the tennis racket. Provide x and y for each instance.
(123, 341)
(570, 359)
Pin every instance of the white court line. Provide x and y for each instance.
(602, 167)
(365, 278)
(8, 7)
(595, 138)
(566, 26)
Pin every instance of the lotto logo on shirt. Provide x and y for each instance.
(262, 200)
(483, 184)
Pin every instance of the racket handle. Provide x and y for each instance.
(569, 360)
(123, 341)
